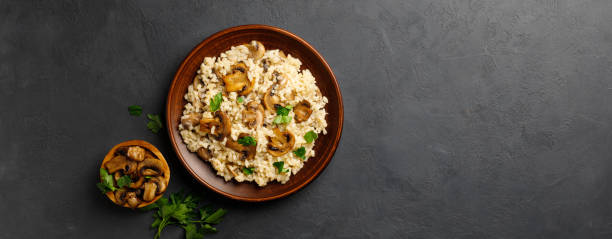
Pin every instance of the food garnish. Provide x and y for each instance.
(135, 110)
(279, 167)
(310, 136)
(247, 140)
(215, 102)
(282, 114)
(185, 211)
(248, 171)
(155, 123)
(300, 152)
(107, 184)
(240, 99)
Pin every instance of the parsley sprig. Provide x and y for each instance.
(300, 152)
(106, 183)
(279, 167)
(215, 102)
(310, 136)
(155, 123)
(135, 110)
(282, 115)
(184, 211)
(247, 141)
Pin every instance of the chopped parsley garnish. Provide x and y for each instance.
(106, 184)
(240, 99)
(310, 136)
(248, 171)
(279, 166)
(300, 152)
(185, 211)
(247, 141)
(215, 102)
(282, 115)
(135, 110)
(155, 123)
(124, 181)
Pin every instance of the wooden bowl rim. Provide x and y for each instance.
(151, 148)
(283, 32)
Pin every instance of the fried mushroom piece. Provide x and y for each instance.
(222, 125)
(256, 50)
(281, 143)
(253, 115)
(150, 167)
(238, 80)
(302, 111)
(137, 183)
(204, 153)
(191, 120)
(122, 163)
(132, 199)
(136, 153)
(149, 191)
(271, 100)
(161, 184)
(120, 196)
(246, 152)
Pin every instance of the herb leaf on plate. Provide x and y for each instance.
(107, 184)
(155, 123)
(123, 181)
(240, 100)
(279, 167)
(135, 110)
(282, 115)
(215, 102)
(300, 152)
(248, 171)
(247, 141)
(310, 136)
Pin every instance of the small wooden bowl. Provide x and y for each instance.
(153, 150)
(272, 38)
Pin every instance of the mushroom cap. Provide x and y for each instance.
(253, 115)
(152, 149)
(281, 143)
(119, 163)
(246, 152)
(302, 111)
(256, 50)
(238, 79)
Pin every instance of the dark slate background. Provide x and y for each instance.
(463, 119)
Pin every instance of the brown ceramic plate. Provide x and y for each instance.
(272, 38)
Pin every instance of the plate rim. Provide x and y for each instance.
(281, 31)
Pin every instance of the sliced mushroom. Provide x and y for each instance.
(120, 196)
(271, 100)
(204, 153)
(281, 143)
(131, 199)
(136, 153)
(253, 115)
(161, 184)
(256, 50)
(302, 111)
(191, 120)
(117, 175)
(238, 79)
(120, 162)
(246, 152)
(197, 82)
(149, 191)
(221, 123)
(137, 183)
(150, 167)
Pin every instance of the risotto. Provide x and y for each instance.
(253, 114)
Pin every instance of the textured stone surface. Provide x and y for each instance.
(464, 118)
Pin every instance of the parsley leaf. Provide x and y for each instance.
(106, 184)
(155, 123)
(184, 211)
(248, 171)
(247, 141)
(310, 136)
(281, 119)
(135, 110)
(240, 99)
(279, 166)
(300, 152)
(124, 181)
(215, 102)
(282, 115)
(284, 111)
(216, 217)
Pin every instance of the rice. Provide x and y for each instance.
(298, 85)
